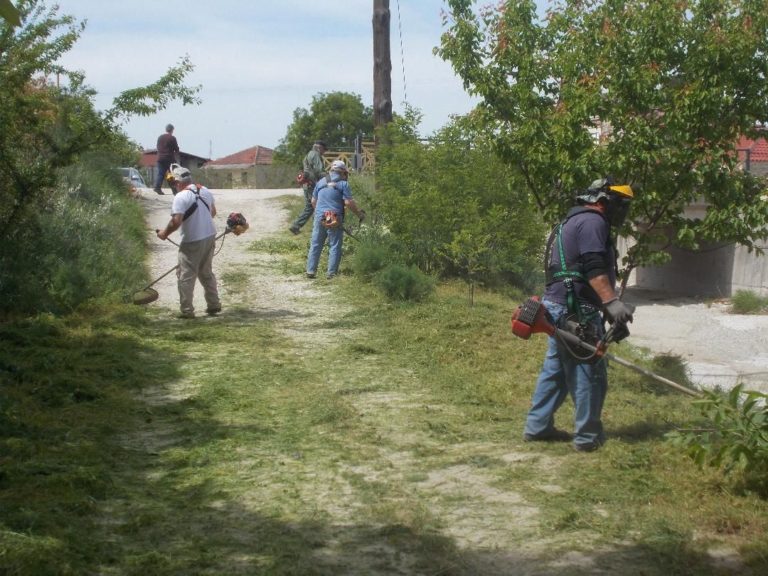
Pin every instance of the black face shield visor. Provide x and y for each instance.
(617, 209)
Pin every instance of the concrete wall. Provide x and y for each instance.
(262, 176)
(750, 272)
(714, 271)
(717, 270)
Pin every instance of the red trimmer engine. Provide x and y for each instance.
(530, 318)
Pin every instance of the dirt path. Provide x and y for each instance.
(265, 217)
(481, 523)
(495, 528)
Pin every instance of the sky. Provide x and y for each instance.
(257, 61)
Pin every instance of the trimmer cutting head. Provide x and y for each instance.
(146, 296)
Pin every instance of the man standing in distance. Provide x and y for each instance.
(314, 170)
(167, 154)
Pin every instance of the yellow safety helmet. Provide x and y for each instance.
(617, 198)
(623, 189)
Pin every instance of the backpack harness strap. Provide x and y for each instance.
(191, 210)
(565, 275)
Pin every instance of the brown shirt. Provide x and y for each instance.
(167, 147)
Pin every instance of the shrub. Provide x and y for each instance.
(87, 243)
(370, 257)
(454, 208)
(401, 282)
(734, 437)
(372, 250)
(746, 302)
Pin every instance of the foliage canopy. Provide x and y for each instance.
(334, 117)
(454, 208)
(668, 86)
(49, 124)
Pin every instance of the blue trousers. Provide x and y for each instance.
(561, 375)
(335, 238)
(162, 167)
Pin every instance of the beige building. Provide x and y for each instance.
(249, 168)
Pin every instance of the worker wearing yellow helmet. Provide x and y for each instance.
(580, 295)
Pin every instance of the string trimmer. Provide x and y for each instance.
(531, 317)
(236, 224)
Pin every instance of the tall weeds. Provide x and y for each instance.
(88, 242)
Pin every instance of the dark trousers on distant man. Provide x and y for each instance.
(162, 169)
(307, 212)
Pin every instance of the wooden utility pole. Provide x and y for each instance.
(382, 65)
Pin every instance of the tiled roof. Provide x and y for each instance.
(149, 158)
(257, 155)
(758, 149)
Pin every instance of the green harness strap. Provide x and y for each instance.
(567, 277)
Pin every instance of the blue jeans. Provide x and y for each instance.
(561, 375)
(162, 167)
(335, 238)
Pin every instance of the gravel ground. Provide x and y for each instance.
(720, 348)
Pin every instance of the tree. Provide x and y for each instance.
(45, 125)
(48, 122)
(334, 117)
(454, 208)
(671, 83)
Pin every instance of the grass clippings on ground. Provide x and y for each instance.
(336, 433)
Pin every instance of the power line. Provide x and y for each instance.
(402, 56)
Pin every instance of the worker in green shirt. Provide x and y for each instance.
(314, 170)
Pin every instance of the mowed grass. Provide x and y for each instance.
(386, 440)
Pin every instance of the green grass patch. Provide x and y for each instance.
(234, 280)
(383, 438)
(747, 302)
(279, 246)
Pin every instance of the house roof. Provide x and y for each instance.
(149, 158)
(256, 155)
(758, 149)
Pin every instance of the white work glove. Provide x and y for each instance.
(618, 311)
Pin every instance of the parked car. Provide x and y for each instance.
(134, 178)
